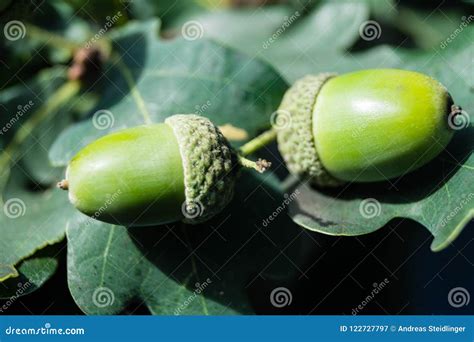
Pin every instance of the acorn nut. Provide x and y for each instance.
(182, 169)
(364, 126)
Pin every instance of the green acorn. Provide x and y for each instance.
(182, 169)
(365, 126)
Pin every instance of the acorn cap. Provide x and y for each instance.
(295, 138)
(209, 163)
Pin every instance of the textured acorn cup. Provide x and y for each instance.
(365, 126)
(183, 169)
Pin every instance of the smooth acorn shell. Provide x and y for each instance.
(131, 177)
(377, 124)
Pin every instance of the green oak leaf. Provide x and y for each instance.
(99, 13)
(440, 196)
(428, 29)
(294, 42)
(149, 79)
(166, 10)
(41, 215)
(33, 273)
(32, 215)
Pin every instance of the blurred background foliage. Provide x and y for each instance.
(419, 26)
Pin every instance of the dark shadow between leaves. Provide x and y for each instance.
(232, 250)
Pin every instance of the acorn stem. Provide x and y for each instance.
(261, 165)
(258, 142)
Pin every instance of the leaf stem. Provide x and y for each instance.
(258, 142)
(51, 39)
